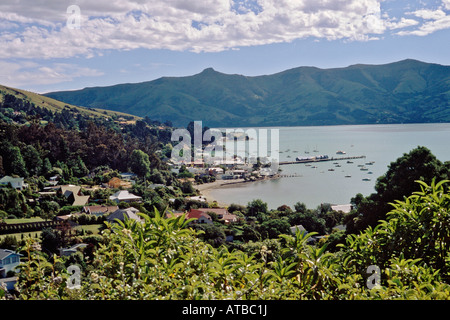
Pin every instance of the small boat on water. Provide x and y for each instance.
(341, 152)
(370, 163)
(313, 167)
(338, 166)
(349, 161)
(330, 169)
(370, 172)
(360, 165)
(366, 179)
(364, 169)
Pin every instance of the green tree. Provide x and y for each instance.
(256, 206)
(274, 227)
(249, 233)
(78, 167)
(187, 188)
(212, 234)
(32, 160)
(46, 167)
(14, 163)
(157, 177)
(300, 207)
(140, 163)
(398, 182)
(50, 241)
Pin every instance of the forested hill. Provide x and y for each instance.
(408, 91)
(30, 103)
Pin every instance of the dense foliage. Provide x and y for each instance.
(396, 183)
(165, 259)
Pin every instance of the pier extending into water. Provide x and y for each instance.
(320, 160)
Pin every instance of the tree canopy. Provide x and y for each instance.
(395, 184)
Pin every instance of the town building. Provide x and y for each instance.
(16, 183)
(9, 260)
(125, 196)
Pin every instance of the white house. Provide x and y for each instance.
(9, 260)
(16, 183)
(346, 208)
(125, 196)
(197, 198)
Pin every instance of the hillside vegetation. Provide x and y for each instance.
(408, 91)
(56, 106)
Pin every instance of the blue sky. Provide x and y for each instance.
(46, 47)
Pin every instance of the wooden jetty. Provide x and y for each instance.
(320, 160)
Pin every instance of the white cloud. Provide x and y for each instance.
(26, 73)
(433, 20)
(429, 14)
(201, 25)
(446, 4)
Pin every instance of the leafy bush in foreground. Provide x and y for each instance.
(165, 259)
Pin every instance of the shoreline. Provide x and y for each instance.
(206, 188)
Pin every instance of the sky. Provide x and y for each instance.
(58, 45)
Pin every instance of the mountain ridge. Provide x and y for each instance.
(406, 91)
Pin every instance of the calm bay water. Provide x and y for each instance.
(381, 144)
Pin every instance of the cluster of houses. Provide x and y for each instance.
(225, 169)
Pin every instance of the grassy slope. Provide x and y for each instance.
(57, 106)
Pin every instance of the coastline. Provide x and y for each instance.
(206, 188)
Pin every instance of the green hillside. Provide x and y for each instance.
(408, 91)
(58, 106)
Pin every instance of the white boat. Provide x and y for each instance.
(341, 152)
(364, 169)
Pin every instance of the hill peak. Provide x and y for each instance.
(366, 94)
(209, 71)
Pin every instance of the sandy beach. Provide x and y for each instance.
(219, 184)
